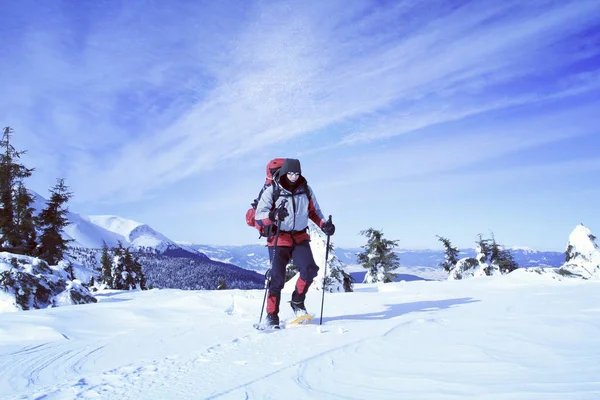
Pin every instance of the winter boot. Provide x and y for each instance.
(272, 320)
(299, 308)
(298, 297)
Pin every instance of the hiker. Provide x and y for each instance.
(295, 203)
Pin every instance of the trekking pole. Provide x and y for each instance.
(267, 279)
(268, 273)
(325, 275)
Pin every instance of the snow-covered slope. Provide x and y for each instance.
(135, 234)
(505, 337)
(93, 230)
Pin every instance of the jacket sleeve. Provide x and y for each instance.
(314, 211)
(265, 204)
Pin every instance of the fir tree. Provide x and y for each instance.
(379, 259)
(484, 248)
(451, 254)
(506, 262)
(502, 257)
(118, 268)
(222, 285)
(348, 282)
(140, 278)
(24, 222)
(11, 173)
(105, 266)
(129, 273)
(52, 220)
(70, 271)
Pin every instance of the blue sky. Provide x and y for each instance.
(417, 118)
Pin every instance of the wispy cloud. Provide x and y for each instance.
(148, 97)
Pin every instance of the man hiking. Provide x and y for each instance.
(294, 204)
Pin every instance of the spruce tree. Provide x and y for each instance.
(118, 271)
(24, 222)
(140, 278)
(52, 220)
(379, 259)
(105, 266)
(502, 257)
(222, 285)
(485, 249)
(11, 173)
(451, 254)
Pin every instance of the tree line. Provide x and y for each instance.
(381, 262)
(21, 231)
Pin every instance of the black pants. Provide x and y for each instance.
(304, 261)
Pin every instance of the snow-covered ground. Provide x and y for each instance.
(519, 336)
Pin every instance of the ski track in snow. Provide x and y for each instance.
(185, 377)
(312, 361)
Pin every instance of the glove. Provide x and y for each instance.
(328, 228)
(278, 214)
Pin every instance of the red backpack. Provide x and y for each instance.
(272, 168)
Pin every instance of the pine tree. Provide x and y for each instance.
(451, 254)
(130, 275)
(222, 285)
(502, 257)
(70, 271)
(484, 249)
(506, 262)
(52, 220)
(140, 277)
(336, 276)
(11, 173)
(105, 266)
(24, 222)
(118, 268)
(379, 258)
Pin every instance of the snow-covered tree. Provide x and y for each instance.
(117, 270)
(492, 259)
(34, 284)
(105, 266)
(450, 254)
(582, 255)
(122, 271)
(379, 258)
(502, 257)
(483, 248)
(222, 285)
(52, 220)
(26, 235)
(12, 174)
(334, 280)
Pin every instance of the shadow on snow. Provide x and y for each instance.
(396, 310)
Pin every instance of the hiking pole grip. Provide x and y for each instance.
(325, 274)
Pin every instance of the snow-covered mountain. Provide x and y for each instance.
(256, 258)
(92, 231)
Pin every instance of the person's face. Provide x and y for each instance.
(293, 176)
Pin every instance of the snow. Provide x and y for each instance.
(517, 336)
(584, 253)
(113, 223)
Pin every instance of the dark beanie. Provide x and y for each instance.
(290, 165)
